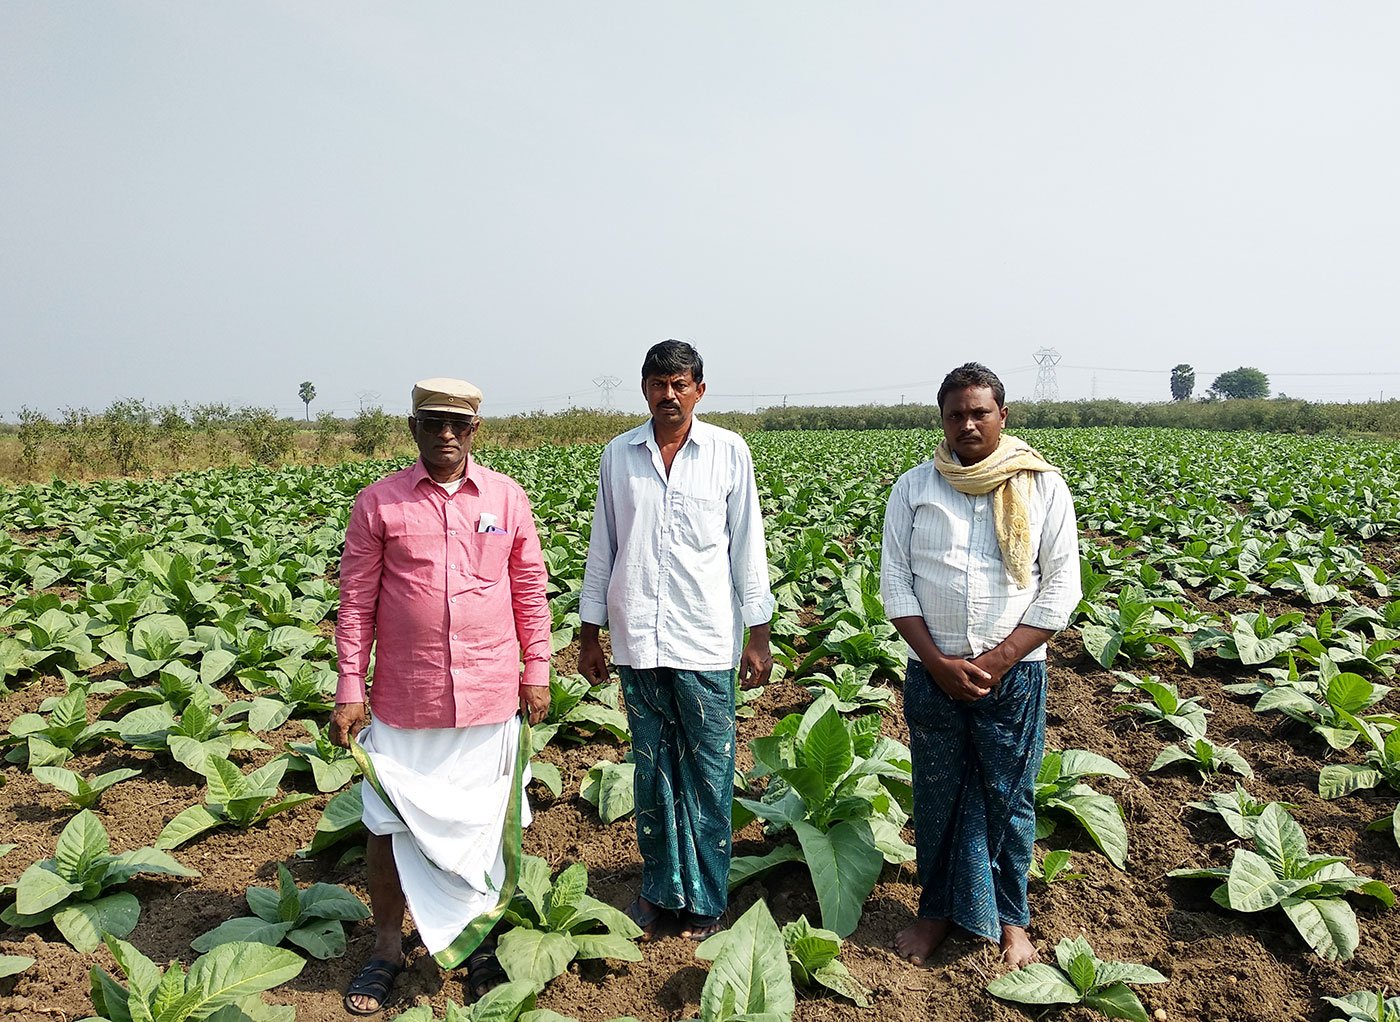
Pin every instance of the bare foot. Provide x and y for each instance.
(920, 940)
(1016, 947)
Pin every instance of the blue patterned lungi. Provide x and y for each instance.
(975, 765)
(683, 745)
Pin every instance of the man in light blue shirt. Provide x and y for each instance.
(979, 568)
(676, 570)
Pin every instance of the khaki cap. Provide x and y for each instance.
(442, 394)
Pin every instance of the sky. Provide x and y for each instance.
(835, 203)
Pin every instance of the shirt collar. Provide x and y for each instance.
(419, 472)
(700, 433)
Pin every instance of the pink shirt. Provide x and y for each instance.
(451, 607)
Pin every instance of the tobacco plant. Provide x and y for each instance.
(850, 689)
(1060, 788)
(1366, 1006)
(843, 790)
(36, 740)
(223, 985)
(82, 791)
(1207, 757)
(1187, 715)
(558, 922)
(312, 918)
(1382, 764)
(232, 799)
(1239, 811)
(608, 787)
(69, 890)
(1311, 889)
(1081, 978)
(332, 767)
(750, 973)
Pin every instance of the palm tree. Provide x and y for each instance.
(307, 393)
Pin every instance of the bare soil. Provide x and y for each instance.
(1221, 965)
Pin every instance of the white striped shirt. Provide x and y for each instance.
(940, 561)
(676, 564)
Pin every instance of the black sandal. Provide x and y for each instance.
(700, 928)
(648, 917)
(484, 971)
(375, 980)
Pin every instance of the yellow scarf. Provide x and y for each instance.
(1011, 463)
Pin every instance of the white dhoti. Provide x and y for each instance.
(449, 791)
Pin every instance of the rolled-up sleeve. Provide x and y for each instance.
(896, 571)
(529, 597)
(748, 555)
(1060, 589)
(602, 549)
(361, 565)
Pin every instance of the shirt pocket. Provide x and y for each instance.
(490, 551)
(702, 523)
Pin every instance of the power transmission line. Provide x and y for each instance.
(607, 384)
(1047, 387)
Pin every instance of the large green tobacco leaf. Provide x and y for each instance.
(248, 929)
(609, 787)
(827, 750)
(233, 971)
(11, 965)
(1101, 819)
(845, 865)
(1037, 983)
(535, 956)
(40, 889)
(86, 923)
(1117, 1001)
(750, 974)
(743, 868)
(1253, 884)
(1327, 924)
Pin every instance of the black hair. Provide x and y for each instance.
(972, 374)
(671, 358)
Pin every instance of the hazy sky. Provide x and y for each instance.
(833, 202)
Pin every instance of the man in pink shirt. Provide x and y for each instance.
(442, 575)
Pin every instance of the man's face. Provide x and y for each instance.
(444, 440)
(972, 423)
(672, 399)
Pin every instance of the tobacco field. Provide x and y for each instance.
(1218, 811)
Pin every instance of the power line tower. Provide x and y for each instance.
(1047, 387)
(607, 384)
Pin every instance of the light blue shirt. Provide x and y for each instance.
(677, 565)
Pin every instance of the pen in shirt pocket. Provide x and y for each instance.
(487, 523)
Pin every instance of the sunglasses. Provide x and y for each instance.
(434, 423)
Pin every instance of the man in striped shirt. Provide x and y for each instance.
(676, 570)
(980, 567)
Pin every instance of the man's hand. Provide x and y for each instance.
(756, 661)
(347, 720)
(961, 680)
(994, 663)
(534, 702)
(591, 662)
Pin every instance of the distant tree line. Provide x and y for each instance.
(131, 436)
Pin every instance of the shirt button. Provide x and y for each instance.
(452, 532)
(452, 567)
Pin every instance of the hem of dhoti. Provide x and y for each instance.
(512, 841)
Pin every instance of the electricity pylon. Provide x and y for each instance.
(1047, 388)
